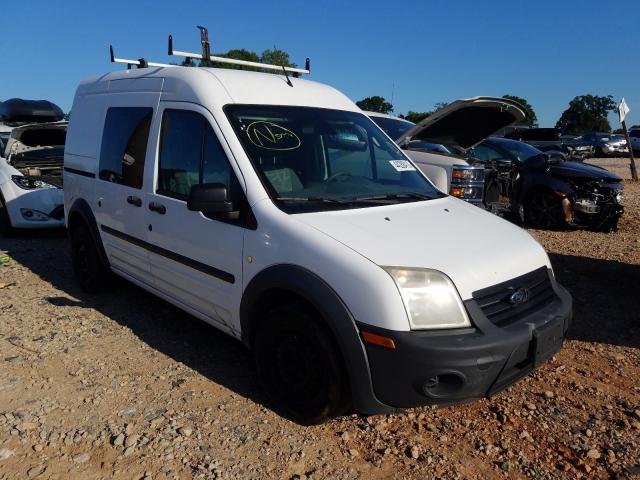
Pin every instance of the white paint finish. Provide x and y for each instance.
(473, 247)
(344, 248)
(192, 235)
(366, 289)
(43, 199)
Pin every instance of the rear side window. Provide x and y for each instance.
(124, 145)
(190, 154)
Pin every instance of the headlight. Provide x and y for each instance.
(30, 183)
(430, 298)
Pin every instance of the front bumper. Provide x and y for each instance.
(613, 149)
(446, 367)
(48, 201)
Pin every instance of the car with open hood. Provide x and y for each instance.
(31, 164)
(455, 129)
(272, 208)
(547, 191)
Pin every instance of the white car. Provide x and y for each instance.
(30, 168)
(437, 143)
(275, 210)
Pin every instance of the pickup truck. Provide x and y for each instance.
(438, 143)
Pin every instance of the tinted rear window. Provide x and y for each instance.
(124, 145)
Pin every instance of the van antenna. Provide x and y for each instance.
(206, 55)
(284, 70)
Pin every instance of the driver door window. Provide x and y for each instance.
(190, 154)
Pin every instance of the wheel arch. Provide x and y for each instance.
(539, 183)
(285, 282)
(80, 213)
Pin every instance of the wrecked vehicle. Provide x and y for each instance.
(438, 144)
(31, 165)
(545, 191)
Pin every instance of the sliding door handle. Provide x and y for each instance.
(158, 208)
(137, 201)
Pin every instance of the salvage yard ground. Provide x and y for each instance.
(122, 385)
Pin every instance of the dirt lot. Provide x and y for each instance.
(122, 385)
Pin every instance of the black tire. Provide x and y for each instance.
(300, 365)
(92, 275)
(5, 223)
(543, 210)
(598, 153)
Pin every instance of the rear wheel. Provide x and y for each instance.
(5, 222)
(300, 365)
(92, 275)
(543, 209)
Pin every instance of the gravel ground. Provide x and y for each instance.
(621, 166)
(122, 385)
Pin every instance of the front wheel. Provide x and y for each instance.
(544, 210)
(92, 275)
(300, 365)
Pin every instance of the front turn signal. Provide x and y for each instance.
(379, 340)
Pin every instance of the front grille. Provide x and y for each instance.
(495, 301)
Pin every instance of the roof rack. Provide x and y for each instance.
(140, 63)
(206, 55)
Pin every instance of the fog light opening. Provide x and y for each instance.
(443, 385)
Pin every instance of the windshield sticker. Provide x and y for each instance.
(402, 165)
(272, 136)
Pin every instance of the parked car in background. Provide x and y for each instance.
(542, 138)
(546, 191)
(438, 143)
(605, 144)
(634, 138)
(31, 162)
(549, 140)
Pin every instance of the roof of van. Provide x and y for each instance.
(219, 86)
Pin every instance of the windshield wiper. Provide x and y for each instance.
(311, 199)
(395, 196)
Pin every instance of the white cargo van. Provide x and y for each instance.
(275, 210)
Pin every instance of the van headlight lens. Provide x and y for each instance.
(30, 183)
(430, 298)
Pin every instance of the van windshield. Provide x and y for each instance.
(313, 159)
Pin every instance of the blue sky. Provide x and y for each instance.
(421, 52)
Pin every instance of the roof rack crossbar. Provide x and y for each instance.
(232, 61)
(140, 63)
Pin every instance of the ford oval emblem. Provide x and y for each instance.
(520, 296)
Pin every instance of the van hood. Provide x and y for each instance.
(436, 234)
(466, 122)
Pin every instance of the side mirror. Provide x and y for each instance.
(212, 199)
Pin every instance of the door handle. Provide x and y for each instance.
(137, 201)
(158, 208)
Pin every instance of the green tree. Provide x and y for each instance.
(375, 104)
(439, 106)
(532, 119)
(586, 113)
(276, 57)
(416, 117)
(236, 54)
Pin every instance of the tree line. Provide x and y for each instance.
(585, 113)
